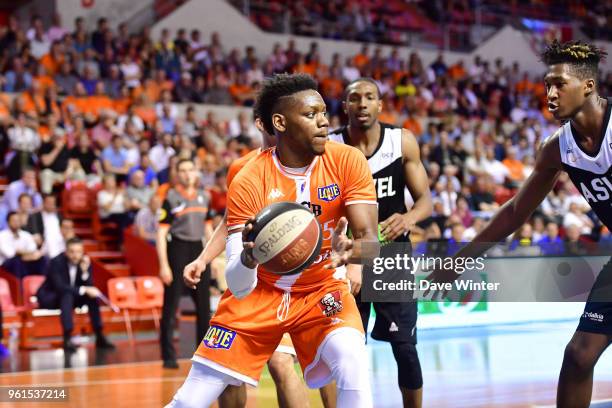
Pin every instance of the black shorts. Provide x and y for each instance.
(597, 316)
(395, 321)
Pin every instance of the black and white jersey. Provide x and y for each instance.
(592, 175)
(387, 170)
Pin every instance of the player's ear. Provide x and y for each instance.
(344, 108)
(279, 122)
(380, 105)
(589, 86)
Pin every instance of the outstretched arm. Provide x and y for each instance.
(213, 248)
(517, 210)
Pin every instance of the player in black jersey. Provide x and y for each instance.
(583, 148)
(394, 159)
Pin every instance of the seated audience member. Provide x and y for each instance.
(10, 200)
(112, 204)
(53, 243)
(150, 177)
(54, 157)
(115, 159)
(84, 164)
(30, 220)
(147, 220)
(18, 251)
(69, 284)
(551, 243)
(138, 193)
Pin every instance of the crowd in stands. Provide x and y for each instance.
(114, 110)
(394, 21)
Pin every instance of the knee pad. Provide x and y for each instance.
(409, 373)
(346, 356)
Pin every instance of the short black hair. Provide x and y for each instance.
(10, 214)
(362, 79)
(73, 241)
(583, 58)
(276, 88)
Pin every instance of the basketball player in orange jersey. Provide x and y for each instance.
(289, 388)
(334, 181)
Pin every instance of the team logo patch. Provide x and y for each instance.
(219, 338)
(331, 303)
(328, 193)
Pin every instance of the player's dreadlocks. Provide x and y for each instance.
(276, 88)
(583, 58)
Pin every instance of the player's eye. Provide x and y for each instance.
(310, 115)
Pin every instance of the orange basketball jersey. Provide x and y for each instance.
(239, 164)
(337, 178)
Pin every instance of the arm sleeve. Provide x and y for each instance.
(240, 279)
(358, 181)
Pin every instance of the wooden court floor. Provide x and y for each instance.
(506, 366)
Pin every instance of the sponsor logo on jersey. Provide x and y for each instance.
(275, 193)
(596, 317)
(219, 338)
(328, 193)
(331, 303)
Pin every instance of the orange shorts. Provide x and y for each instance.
(243, 334)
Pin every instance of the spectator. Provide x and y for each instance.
(24, 142)
(18, 79)
(115, 159)
(522, 241)
(514, 166)
(18, 251)
(27, 185)
(161, 153)
(84, 165)
(54, 157)
(30, 220)
(147, 220)
(53, 239)
(477, 225)
(462, 210)
(578, 218)
(482, 198)
(112, 204)
(138, 193)
(65, 79)
(494, 167)
(69, 284)
(573, 243)
(551, 243)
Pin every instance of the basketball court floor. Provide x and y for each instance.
(488, 366)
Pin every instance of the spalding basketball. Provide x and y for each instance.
(287, 238)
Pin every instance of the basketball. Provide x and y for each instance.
(287, 238)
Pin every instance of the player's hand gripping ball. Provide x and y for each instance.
(287, 238)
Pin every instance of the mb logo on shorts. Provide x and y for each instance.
(331, 303)
(219, 338)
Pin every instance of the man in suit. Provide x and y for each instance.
(68, 285)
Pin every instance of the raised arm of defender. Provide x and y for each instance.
(517, 210)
